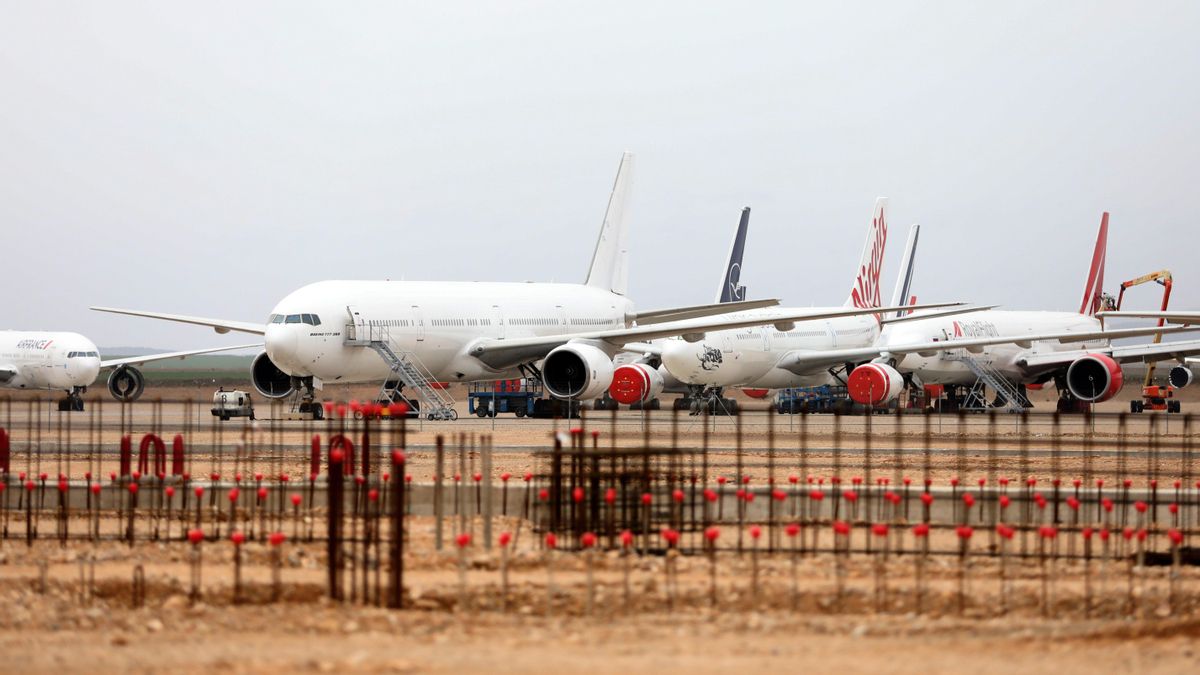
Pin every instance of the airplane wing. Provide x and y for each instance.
(149, 358)
(500, 354)
(888, 320)
(7, 373)
(1146, 353)
(1173, 317)
(220, 325)
(697, 311)
(804, 362)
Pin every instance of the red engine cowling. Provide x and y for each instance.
(635, 383)
(875, 384)
(757, 393)
(1095, 378)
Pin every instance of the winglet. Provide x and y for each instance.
(731, 289)
(1093, 290)
(865, 293)
(610, 260)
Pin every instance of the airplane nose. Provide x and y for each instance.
(281, 342)
(679, 357)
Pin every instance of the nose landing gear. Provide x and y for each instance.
(307, 405)
(73, 402)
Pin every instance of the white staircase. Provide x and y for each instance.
(406, 369)
(987, 376)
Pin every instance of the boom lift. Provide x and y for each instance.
(1154, 397)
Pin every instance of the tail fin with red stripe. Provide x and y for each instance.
(1094, 289)
(865, 293)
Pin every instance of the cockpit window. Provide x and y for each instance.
(311, 319)
(293, 318)
(82, 355)
(275, 318)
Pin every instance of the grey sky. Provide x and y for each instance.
(209, 158)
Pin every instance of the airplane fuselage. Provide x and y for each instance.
(47, 360)
(435, 321)
(947, 368)
(749, 357)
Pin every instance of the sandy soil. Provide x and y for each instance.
(445, 629)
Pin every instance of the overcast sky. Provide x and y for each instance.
(208, 158)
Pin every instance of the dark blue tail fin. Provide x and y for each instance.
(731, 289)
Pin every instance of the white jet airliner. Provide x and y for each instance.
(414, 332)
(70, 362)
(1071, 349)
(754, 357)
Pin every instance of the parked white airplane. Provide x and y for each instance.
(70, 362)
(1025, 347)
(753, 357)
(412, 332)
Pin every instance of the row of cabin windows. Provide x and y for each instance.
(310, 319)
(543, 321)
(81, 355)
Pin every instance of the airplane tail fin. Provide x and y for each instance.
(1093, 290)
(904, 280)
(731, 289)
(610, 260)
(865, 292)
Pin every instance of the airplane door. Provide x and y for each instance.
(498, 317)
(832, 334)
(562, 320)
(418, 319)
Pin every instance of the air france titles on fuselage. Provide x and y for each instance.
(34, 344)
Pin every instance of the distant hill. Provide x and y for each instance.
(114, 352)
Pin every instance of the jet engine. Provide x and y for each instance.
(268, 379)
(1180, 377)
(576, 370)
(126, 384)
(635, 383)
(875, 384)
(1095, 378)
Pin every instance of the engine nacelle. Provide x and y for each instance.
(1095, 378)
(875, 384)
(126, 384)
(577, 371)
(268, 379)
(635, 383)
(1180, 377)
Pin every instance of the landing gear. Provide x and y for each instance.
(701, 399)
(307, 392)
(73, 402)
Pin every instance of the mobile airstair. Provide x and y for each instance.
(406, 370)
(1008, 395)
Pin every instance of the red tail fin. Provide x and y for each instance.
(865, 292)
(1094, 288)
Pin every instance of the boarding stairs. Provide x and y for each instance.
(986, 376)
(406, 371)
